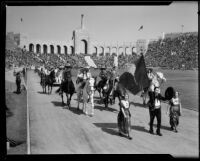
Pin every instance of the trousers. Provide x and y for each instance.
(155, 113)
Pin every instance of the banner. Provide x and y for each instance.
(90, 62)
(135, 79)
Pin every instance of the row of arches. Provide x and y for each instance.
(97, 50)
(53, 49)
(111, 50)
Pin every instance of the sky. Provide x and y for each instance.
(106, 24)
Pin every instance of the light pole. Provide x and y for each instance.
(182, 28)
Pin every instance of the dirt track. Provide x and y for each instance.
(55, 130)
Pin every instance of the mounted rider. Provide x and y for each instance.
(52, 73)
(103, 76)
(83, 75)
(102, 73)
(114, 79)
(66, 75)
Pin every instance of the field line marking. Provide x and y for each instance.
(28, 123)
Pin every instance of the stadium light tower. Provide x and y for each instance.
(182, 28)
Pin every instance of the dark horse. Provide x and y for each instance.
(49, 80)
(99, 86)
(68, 88)
(108, 88)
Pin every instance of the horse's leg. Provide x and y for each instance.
(106, 101)
(70, 98)
(68, 102)
(92, 103)
(79, 99)
(144, 98)
(45, 88)
(51, 88)
(62, 99)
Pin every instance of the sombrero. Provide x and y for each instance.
(103, 67)
(87, 67)
(68, 65)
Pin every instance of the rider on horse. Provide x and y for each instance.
(66, 75)
(103, 75)
(113, 79)
(84, 75)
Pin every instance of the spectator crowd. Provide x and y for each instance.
(171, 53)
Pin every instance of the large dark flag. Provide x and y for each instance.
(135, 79)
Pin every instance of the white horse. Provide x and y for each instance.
(87, 94)
(58, 76)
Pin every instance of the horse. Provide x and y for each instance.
(50, 79)
(68, 88)
(88, 93)
(106, 91)
(99, 86)
(85, 91)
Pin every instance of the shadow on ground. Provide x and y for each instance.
(112, 128)
(76, 111)
(40, 92)
(56, 103)
(138, 104)
(101, 108)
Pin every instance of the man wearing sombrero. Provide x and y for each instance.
(81, 80)
(102, 74)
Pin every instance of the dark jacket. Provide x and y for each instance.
(152, 98)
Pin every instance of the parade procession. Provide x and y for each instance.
(105, 90)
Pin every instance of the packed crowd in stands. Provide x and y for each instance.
(174, 53)
(170, 53)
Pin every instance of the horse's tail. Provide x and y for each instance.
(58, 90)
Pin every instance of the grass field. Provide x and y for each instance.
(186, 82)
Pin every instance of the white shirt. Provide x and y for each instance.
(125, 103)
(84, 76)
(157, 103)
(175, 101)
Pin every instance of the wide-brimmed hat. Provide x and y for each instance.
(87, 67)
(103, 67)
(68, 65)
(61, 67)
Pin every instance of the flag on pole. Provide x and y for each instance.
(141, 27)
(135, 79)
